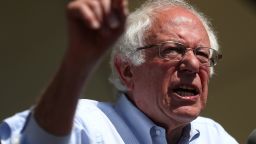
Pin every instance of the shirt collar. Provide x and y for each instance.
(189, 134)
(194, 133)
(142, 126)
(136, 120)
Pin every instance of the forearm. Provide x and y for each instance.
(56, 107)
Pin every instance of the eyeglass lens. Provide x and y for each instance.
(176, 51)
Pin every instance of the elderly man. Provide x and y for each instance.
(162, 62)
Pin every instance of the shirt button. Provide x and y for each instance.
(158, 132)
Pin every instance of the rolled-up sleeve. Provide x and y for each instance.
(34, 134)
(23, 129)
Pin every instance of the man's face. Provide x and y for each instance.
(172, 93)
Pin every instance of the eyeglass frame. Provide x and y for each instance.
(158, 45)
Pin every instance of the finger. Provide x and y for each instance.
(112, 18)
(90, 17)
(121, 6)
(124, 7)
(82, 11)
(118, 13)
(122, 10)
(106, 5)
(97, 9)
(109, 18)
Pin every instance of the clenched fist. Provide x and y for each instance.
(94, 25)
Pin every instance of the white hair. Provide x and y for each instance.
(137, 24)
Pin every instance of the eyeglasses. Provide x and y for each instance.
(175, 51)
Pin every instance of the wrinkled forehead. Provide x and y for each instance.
(174, 20)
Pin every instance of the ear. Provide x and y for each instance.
(125, 72)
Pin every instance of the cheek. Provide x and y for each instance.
(153, 81)
(169, 74)
(205, 77)
(156, 72)
(147, 80)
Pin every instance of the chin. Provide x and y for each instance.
(186, 114)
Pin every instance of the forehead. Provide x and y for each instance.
(176, 23)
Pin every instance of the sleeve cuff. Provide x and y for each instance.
(34, 134)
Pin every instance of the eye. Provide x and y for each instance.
(171, 50)
(203, 52)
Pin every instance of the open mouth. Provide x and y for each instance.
(186, 90)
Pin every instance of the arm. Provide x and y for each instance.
(94, 25)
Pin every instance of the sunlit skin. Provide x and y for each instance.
(151, 83)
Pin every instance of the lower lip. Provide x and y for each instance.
(187, 98)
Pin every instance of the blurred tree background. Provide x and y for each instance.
(33, 39)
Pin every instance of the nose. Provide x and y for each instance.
(189, 63)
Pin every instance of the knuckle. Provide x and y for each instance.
(94, 4)
(72, 5)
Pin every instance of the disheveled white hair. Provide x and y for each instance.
(138, 23)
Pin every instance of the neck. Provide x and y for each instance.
(173, 135)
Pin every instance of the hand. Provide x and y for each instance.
(94, 25)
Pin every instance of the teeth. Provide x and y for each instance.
(186, 90)
(186, 87)
(184, 93)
